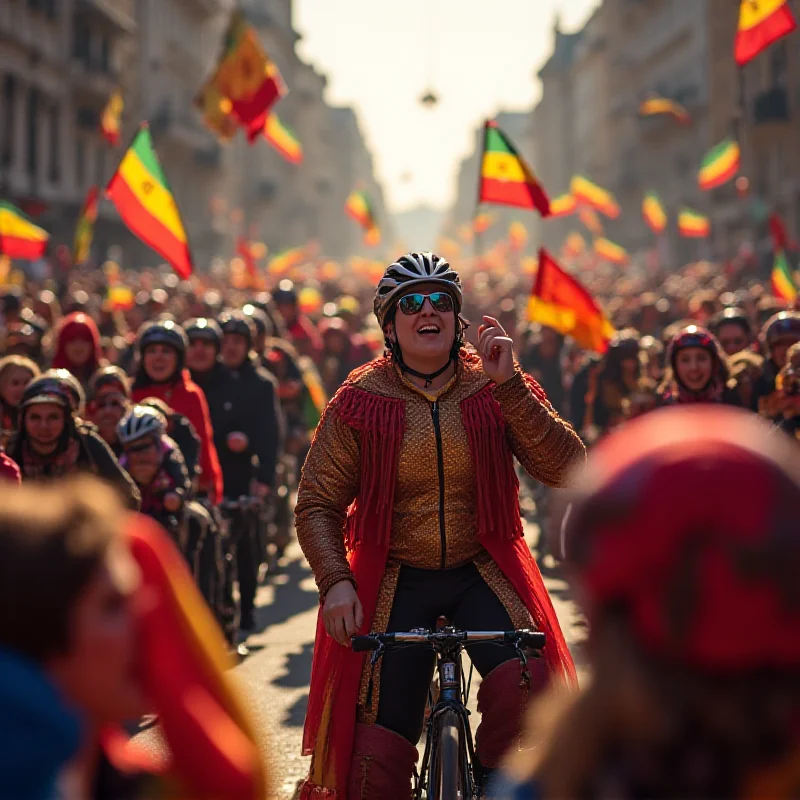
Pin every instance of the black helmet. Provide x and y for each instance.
(106, 376)
(162, 332)
(411, 269)
(625, 344)
(203, 328)
(71, 385)
(236, 321)
(784, 325)
(730, 316)
(285, 293)
(47, 389)
(260, 319)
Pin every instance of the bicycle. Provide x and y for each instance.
(446, 772)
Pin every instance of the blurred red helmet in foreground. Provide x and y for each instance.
(687, 522)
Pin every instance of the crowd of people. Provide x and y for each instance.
(197, 402)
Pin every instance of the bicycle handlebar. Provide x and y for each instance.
(535, 640)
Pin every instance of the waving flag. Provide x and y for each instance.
(574, 245)
(761, 22)
(19, 237)
(720, 165)
(84, 230)
(661, 105)
(359, 207)
(693, 225)
(783, 285)
(563, 205)
(560, 302)
(505, 177)
(588, 216)
(653, 212)
(282, 262)
(595, 196)
(283, 139)
(140, 191)
(111, 120)
(611, 252)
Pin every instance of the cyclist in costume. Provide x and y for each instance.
(423, 441)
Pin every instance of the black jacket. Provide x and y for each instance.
(244, 400)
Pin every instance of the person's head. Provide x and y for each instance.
(550, 342)
(205, 341)
(238, 333)
(262, 324)
(696, 359)
(335, 336)
(161, 347)
(622, 359)
(682, 546)
(779, 333)
(78, 344)
(746, 368)
(110, 399)
(72, 386)
(65, 585)
(418, 305)
(46, 418)
(651, 356)
(16, 372)
(732, 329)
(788, 379)
(140, 433)
(285, 299)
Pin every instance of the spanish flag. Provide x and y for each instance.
(653, 212)
(111, 121)
(595, 196)
(693, 225)
(783, 285)
(761, 22)
(563, 205)
(140, 191)
(560, 302)
(661, 105)
(283, 139)
(19, 237)
(610, 251)
(84, 230)
(505, 177)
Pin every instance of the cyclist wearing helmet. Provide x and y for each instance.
(779, 333)
(182, 432)
(682, 545)
(73, 387)
(300, 330)
(110, 398)
(787, 384)
(161, 349)
(51, 443)
(733, 330)
(698, 370)
(418, 447)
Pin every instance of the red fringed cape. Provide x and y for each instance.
(336, 670)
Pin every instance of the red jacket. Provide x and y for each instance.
(187, 398)
(9, 471)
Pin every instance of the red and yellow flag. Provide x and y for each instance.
(283, 139)
(661, 105)
(111, 120)
(653, 212)
(140, 191)
(505, 177)
(19, 237)
(595, 196)
(761, 22)
(720, 164)
(216, 110)
(560, 302)
(610, 251)
(563, 205)
(84, 230)
(588, 216)
(693, 225)
(282, 262)
(245, 252)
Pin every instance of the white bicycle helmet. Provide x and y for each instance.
(411, 269)
(140, 421)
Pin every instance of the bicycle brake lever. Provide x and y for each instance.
(525, 678)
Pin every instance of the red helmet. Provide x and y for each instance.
(687, 520)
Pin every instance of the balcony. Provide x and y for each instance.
(183, 128)
(771, 106)
(108, 14)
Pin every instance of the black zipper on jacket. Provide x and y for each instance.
(440, 466)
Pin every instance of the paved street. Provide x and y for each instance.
(276, 674)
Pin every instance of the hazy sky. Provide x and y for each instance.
(480, 56)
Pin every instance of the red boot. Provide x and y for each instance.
(502, 702)
(382, 766)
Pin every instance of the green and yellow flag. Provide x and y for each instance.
(84, 230)
(140, 191)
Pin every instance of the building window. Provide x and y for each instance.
(9, 118)
(55, 143)
(778, 65)
(80, 163)
(105, 55)
(33, 132)
(81, 44)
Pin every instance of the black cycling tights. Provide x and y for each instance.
(422, 597)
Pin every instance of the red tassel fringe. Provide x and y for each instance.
(381, 422)
(496, 482)
(309, 791)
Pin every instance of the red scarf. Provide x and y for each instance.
(336, 670)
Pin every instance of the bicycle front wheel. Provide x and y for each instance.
(448, 770)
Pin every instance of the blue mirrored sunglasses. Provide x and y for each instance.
(412, 303)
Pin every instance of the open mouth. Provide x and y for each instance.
(428, 330)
